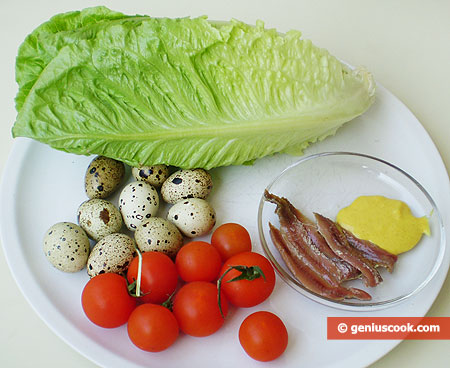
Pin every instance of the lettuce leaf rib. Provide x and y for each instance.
(185, 92)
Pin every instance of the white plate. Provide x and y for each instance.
(42, 186)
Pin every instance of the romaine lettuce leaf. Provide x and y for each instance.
(186, 92)
(44, 43)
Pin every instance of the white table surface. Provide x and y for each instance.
(404, 43)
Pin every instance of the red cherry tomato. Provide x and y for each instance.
(263, 336)
(159, 276)
(198, 261)
(247, 293)
(152, 327)
(105, 300)
(196, 308)
(230, 239)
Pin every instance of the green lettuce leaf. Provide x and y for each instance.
(185, 92)
(44, 43)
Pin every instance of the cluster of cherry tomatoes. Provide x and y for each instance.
(213, 274)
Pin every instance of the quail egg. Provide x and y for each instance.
(66, 246)
(184, 184)
(154, 175)
(99, 218)
(103, 177)
(138, 202)
(113, 253)
(193, 217)
(158, 234)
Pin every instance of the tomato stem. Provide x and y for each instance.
(169, 302)
(139, 274)
(249, 273)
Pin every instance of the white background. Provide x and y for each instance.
(406, 44)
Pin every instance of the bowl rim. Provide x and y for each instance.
(346, 304)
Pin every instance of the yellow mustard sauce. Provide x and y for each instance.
(385, 222)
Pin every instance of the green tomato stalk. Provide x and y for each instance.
(249, 273)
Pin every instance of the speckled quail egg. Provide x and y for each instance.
(193, 217)
(160, 235)
(113, 253)
(184, 184)
(155, 175)
(99, 218)
(138, 202)
(103, 177)
(66, 246)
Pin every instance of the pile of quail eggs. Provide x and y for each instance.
(67, 245)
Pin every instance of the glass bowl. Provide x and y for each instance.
(327, 182)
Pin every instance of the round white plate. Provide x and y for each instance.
(42, 186)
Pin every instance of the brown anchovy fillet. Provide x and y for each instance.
(301, 245)
(318, 247)
(310, 279)
(347, 271)
(298, 248)
(372, 252)
(338, 242)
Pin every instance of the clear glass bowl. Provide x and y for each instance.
(325, 183)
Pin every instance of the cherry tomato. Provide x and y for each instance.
(263, 336)
(198, 261)
(196, 308)
(247, 293)
(106, 301)
(159, 276)
(152, 327)
(230, 239)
